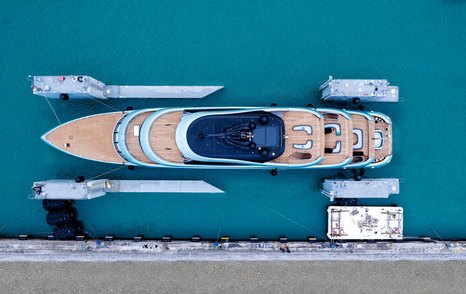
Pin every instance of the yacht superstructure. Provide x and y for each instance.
(230, 137)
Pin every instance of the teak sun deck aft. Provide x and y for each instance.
(234, 137)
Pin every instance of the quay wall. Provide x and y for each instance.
(156, 250)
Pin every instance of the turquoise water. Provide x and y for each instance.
(262, 52)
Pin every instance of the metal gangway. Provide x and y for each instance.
(72, 190)
(86, 87)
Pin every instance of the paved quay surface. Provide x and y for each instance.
(230, 277)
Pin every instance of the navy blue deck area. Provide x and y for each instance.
(254, 136)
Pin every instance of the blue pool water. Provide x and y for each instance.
(262, 52)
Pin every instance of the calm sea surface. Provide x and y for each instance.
(262, 52)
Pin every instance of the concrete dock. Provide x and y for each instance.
(128, 250)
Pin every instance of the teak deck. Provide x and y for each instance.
(89, 137)
(162, 136)
(367, 127)
(346, 139)
(387, 144)
(132, 141)
(298, 118)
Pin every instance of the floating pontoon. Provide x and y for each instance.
(365, 223)
(365, 188)
(86, 87)
(70, 190)
(361, 90)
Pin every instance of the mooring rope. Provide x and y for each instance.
(435, 232)
(107, 172)
(53, 110)
(218, 234)
(94, 234)
(293, 221)
(105, 104)
(21, 215)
